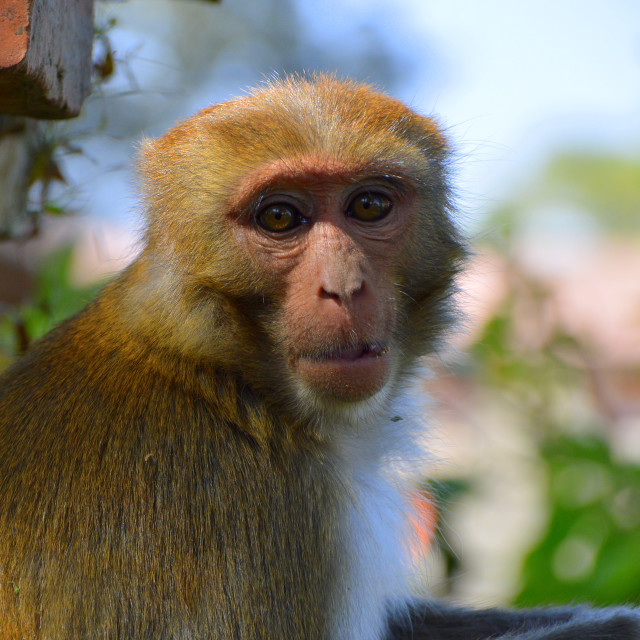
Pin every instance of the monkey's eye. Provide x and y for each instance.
(369, 207)
(278, 218)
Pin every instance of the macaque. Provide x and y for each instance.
(208, 450)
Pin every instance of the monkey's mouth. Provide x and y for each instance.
(349, 354)
(347, 373)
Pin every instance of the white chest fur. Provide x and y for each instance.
(377, 462)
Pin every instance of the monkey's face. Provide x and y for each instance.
(327, 242)
(302, 238)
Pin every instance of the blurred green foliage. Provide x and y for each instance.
(52, 300)
(602, 192)
(591, 549)
(607, 187)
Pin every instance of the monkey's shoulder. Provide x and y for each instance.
(68, 364)
(88, 385)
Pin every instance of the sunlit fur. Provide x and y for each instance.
(163, 473)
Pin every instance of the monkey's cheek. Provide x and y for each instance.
(346, 380)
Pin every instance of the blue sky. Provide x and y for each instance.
(514, 81)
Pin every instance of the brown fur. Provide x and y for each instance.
(158, 476)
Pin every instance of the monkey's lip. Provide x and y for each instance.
(346, 373)
(348, 354)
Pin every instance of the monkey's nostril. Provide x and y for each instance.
(327, 295)
(357, 289)
(343, 294)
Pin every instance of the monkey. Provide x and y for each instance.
(209, 450)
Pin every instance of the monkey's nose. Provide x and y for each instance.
(342, 294)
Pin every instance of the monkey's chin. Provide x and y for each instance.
(348, 375)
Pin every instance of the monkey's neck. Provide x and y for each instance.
(377, 520)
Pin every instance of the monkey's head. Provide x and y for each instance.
(301, 235)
